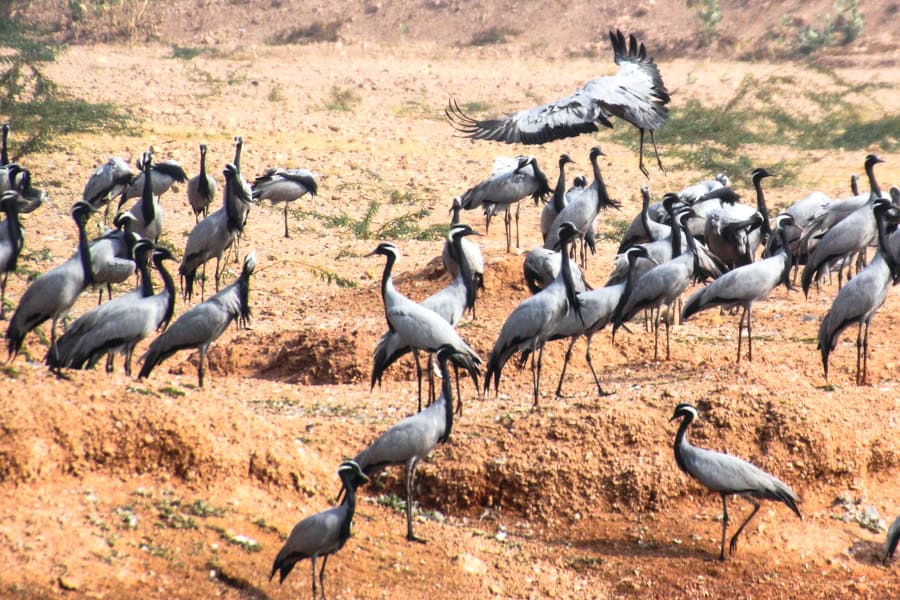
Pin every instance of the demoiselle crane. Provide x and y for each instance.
(413, 438)
(202, 324)
(728, 476)
(201, 189)
(557, 200)
(533, 321)
(323, 533)
(285, 185)
(511, 181)
(636, 93)
(861, 297)
(214, 235)
(742, 286)
(411, 326)
(52, 294)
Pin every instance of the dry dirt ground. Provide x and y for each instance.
(116, 488)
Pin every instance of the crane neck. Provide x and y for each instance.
(13, 227)
(203, 184)
(788, 258)
(387, 285)
(883, 248)
(681, 442)
(645, 208)
(454, 215)
(237, 154)
(447, 394)
(350, 502)
(559, 194)
(148, 202)
(456, 252)
(569, 280)
(243, 297)
(4, 152)
(84, 251)
(874, 188)
(602, 195)
(675, 237)
(233, 203)
(143, 266)
(169, 284)
(761, 207)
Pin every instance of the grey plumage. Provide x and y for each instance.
(201, 188)
(582, 211)
(106, 182)
(51, 295)
(120, 325)
(202, 324)
(413, 438)
(860, 298)
(412, 326)
(660, 286)
(532, 322)
(636, 93)
(511, 181)
(65, 345)
(643, 228)
(727, 475)
(851, 235)
(285, 185)
(734, 232)
(214, 235)
(469, 251)
(558, 200)
(111, 255)
(541, 266)
(12, 240)
(596, 310)
(323, 533)
(743, 286)
(163, 175)
(146, 213)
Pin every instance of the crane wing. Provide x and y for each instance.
(635, 93)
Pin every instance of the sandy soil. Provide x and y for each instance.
(115, 488)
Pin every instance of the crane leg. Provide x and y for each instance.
(418, 377)
(315, 594)
(3, 296)
(218, 275)
(859, 342)
(201, 368)
(410, 481)
(641, 154)
(656, 151)
(590, 363)
(537, 380)
(865, 360)
(203, 281)
(732, 547)
(286, 234)
(518, 207)
(724, 527)
(749, 335)
(458, 395)
(656, 336)
(562, 375)
(668, 318)
(507, 223)
(322, 575)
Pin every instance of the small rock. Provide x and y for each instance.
(67, 583)
(472, 564)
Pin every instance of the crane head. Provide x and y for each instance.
(684, 410)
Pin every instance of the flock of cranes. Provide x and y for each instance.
(132, 247)
(702, 233)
